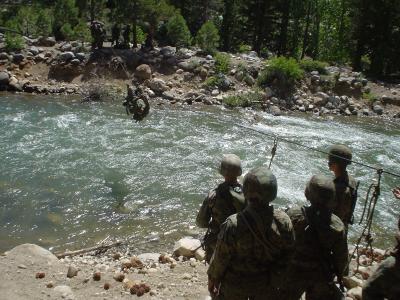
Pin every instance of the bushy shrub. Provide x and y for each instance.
(13, 42)
(43, 23)
(67, 32)
(178, 32)
(244, 100)
(140, 35)
(310, 65)
(81, 32)
(283, 73)
(222, 63)
(244, 48)
(207, 37)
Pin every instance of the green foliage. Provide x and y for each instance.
(81, 32)
(43, 23)
(65, 12)
(140, 35)
(369, 96)
(310, 65)
(177, 31)
(67, 32)
(211, 81)
(283, 73)
(13, 42)
(222, 63)
(243, 100)
(207, 37)
(244, 48)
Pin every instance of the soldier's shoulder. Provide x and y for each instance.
(337, 224)
(228, 229)
(352, 182)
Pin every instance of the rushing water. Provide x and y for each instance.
(72, 174)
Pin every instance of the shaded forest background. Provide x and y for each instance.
(363, 33)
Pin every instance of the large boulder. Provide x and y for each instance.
(66, 47)
(391, 99)
(143, 72)
(186, 247)
(14, 84)
(46, 41)
(168, 51)
(67, 56)
(30, 254)
(34, 50)
(17, 58)
(4, 78)
(157, 85)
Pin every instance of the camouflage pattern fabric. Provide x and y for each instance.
(246, 267)
(345, 187)
(306, 272)
(220, 203)
(384, 282)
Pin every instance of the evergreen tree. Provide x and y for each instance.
(208, 38)
(177, 31)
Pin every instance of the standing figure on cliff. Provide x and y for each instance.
(253, 245)
(126, 36)
(320, 249)
(384, 282)
(136, 103)
(225, 200)
(98, 34)
(115, 33)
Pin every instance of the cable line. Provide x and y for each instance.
(276, 137)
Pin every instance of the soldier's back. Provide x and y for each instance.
(345, 188)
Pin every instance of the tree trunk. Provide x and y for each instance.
(284, 27)
(134, 24)
(306, 30)
(227, 24)
(315, 52)
(260, 25)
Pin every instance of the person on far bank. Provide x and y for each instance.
(345, 185)
(224, 200)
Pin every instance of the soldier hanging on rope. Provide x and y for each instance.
(136, 103)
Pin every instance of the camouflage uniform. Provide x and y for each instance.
(320, 247)
(98, 34)
(345, 185)
(253, 247)
(221, 202)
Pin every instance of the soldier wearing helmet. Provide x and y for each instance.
(253, 245)
(346, 186)
(225, 200)
(320, 248)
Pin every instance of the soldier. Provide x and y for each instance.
(384, 282)
(98, 34)
(126, 36)
(320, 247)
(345, 185)
(225, 200)
(115, 33)
(136, 103)
(253, 245)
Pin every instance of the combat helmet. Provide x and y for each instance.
(261, 184)
(230, 165)
(320, 191)
(340, 154)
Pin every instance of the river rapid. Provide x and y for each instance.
(72, 174)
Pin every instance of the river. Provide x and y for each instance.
(72, 174)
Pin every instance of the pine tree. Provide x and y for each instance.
(178, 32)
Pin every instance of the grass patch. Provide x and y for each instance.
(244, 100)
(370, 97)
(310, 65)
(222, 63)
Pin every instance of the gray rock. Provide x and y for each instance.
(75, 62)
(158, 85)
(365, 112)
(46, 41)
(302, 109)
(72, 271)
(188, 66)
(186, 246)
(66, 47)
(17, 58)
(215, 92)
(225, 83)
(378, 109)
(34, 50)
(268, 92)
(168, 95)
(149, 257)
(209, 57)
(275, 110)
(4, 78)
(67, 56)
(143, 72)
(168, 51)
(81, 56)
(185, 53)
(14, 85)
(4, 56)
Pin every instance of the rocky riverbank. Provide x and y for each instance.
(31, 272)
(187, 77)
